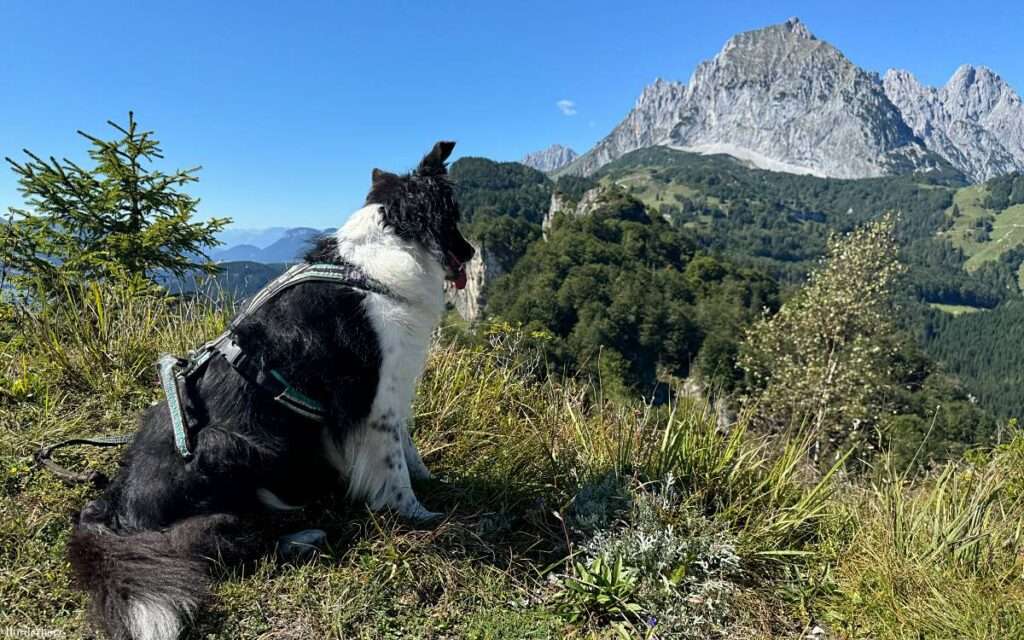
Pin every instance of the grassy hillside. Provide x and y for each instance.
(565, 517)
(982, 233)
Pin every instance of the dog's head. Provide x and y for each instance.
(420, 207)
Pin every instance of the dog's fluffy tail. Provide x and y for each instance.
(146, 585)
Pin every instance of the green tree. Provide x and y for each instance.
(121, 218)
(625, 299)
(828, 357)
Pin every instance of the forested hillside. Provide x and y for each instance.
(986, 349)
(502, 204)
(627, 297)
(685, 250)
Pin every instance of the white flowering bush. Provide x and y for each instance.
(826, 359)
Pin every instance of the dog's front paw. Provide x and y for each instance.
(419, 471)
(413, 511)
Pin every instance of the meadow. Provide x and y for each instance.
(568, 514)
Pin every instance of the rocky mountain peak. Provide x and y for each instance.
(977, 89)
(975, 121)
(551, 159)
(797, 28)
(657, 92)
(782, 99)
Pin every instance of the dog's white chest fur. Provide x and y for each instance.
(379, 457)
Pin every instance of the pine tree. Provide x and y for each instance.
(120, 219)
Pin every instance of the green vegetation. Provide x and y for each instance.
(587, 493)
(986, 221)
(628, 300)
(781, 222)
(117, 220)
(984, 350)
(776, 224)
(829, 357)
(567, 517)
(502, 205)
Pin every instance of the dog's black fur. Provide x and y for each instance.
(152, 534)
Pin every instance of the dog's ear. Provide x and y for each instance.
(433, 163)
(378, 176)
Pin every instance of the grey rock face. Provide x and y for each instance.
(551, 159)
(560, 205)
(784, 100)
(482, 269)
(975, 121)
(648, 124)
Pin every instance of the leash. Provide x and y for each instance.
(96, 478)
(175, 373)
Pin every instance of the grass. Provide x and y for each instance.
(1007, 228)
(653, 192)
(567, 515)
(955, 309)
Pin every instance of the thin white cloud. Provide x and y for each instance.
(567, 107)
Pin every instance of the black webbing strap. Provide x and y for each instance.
(45, 458)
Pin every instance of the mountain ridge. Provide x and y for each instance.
(782, 99)
(551, 159)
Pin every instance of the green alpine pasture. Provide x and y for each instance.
(567, 515)
(969, 232)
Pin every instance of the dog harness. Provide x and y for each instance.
(176, 374)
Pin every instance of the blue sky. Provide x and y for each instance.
(288, 106)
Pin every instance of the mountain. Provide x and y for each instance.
(976, 121)
(237, 253)
(551, 159)
(288, 246)
(233, 280)
(781, 99)
(649, 123)
(258, 237)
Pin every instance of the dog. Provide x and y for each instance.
(143, 549)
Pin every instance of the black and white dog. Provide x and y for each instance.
(143, 549)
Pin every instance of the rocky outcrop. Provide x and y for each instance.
(551, 159)
(561, 205)
(648, 124)
(975, 121)
(781, 99)
(480, 271)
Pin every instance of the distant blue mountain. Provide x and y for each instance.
(234, 236)
(287, 246)
(237, 253)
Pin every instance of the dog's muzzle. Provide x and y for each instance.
(455, 271)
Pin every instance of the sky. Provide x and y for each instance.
(288, 106)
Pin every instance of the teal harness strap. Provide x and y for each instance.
(295, 400)
(175, 372)
(168, 367)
